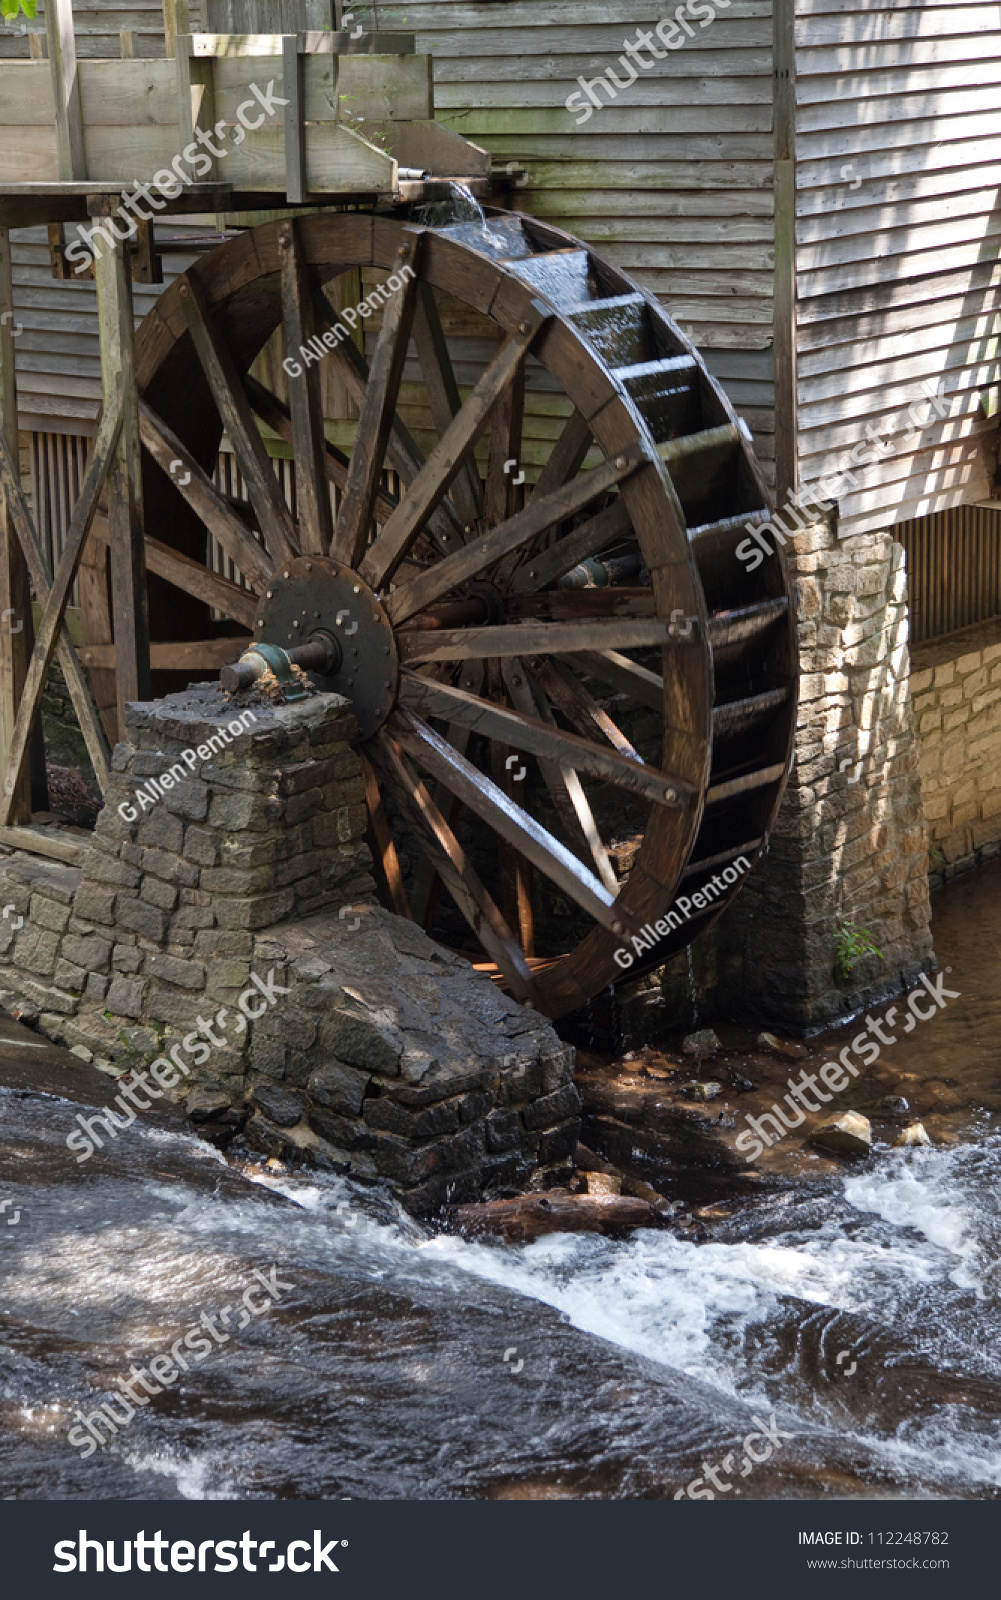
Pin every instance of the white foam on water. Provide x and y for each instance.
(924, 1190)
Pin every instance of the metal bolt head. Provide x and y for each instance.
(468, 528)
(296, 623)
(670, 795)
(285, 574)
(356, 589)
(309, 566)
(617, 927)
(183, 291)
(524, 327)
(620, 463)
(271, 594)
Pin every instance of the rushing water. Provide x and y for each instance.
(396, 1364)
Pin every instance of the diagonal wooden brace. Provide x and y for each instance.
(53, 597)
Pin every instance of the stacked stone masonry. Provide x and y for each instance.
(956, 686)
(383, 1055)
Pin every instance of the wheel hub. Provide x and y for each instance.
(313, 597)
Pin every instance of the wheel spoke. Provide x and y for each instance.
(644, 686)
(312, 496)
(443, 397)
(193, 578)
(402, 450)
(545, 566)
(233, 406)
(205, 500)
(335, 463)
(562, 781)
(572, 604)
(506, 421)
(507, 819)
(445, 460)
(455, 870)
(539, 738)
(538, 515)
(531, 638)
(458, 737)
(384, 840)
(579, 707)
(567, 456)
(375, 420)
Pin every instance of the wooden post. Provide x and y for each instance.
(196, 96)
(65, 90)
(129, 40)
(36, 46)
(125, 503)
(175, 21)
(784, 327)
(15, 597)
(296, 182)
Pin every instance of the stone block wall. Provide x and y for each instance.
(956, 687)
(379, 1055)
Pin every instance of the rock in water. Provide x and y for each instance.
(913, 1135)
(700, 1091)
(528, 1217)
(701, 1043)
(847, 1135)
(781, 1047)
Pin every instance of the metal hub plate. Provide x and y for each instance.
(313, 593)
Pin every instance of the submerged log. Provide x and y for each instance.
(530, 1216)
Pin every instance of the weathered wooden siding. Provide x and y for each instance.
(97, 28)
(57, 355)
(672, 181)
(899, 161)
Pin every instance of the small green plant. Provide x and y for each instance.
(10, 9)
(853, 943)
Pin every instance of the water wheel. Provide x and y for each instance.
(576, 707)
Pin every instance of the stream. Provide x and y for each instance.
(851, 1318)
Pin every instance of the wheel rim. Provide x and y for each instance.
(493, 666)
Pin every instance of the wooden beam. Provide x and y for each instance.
(15, 597)
(65, 90)
(293, 92)
(784, 328)
(116, 323)
(54, 843)
(128, 39)
(175, 21)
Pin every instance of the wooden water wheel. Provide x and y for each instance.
(576, 707)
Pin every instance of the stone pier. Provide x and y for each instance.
(242, 872)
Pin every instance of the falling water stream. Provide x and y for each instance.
(396, 1363)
